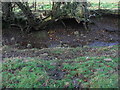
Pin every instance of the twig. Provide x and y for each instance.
(12, 25)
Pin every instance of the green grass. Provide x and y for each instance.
(105, 5)
(92, 72)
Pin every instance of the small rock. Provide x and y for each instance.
(29, 45)
(12, 39)
(76, 32)
(64, 45)
(56, 58)
(87, 57)
(81, 34)
(44, 54)
(53, 63)
(108, 59)
(67, 84)
(85, 46)
(84, 36)
(111, 38)
(26, 60)
(68, 35)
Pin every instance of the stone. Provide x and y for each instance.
(12, 39)
(44, 54)
(76, 32)
(53, 63)
(108, 59)
(29, 45)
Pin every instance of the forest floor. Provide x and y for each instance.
(43, 62)
(62, 67)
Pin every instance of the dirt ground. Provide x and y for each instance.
(60, 53)
(104, 32)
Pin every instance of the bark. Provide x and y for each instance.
(7, 11)
(32, 21)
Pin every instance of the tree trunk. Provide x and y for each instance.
(59, 11)
(32, 21)
(7, 11)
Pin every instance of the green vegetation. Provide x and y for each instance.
(104, 5)
(63, 66)
(93, 5)
(93, 72)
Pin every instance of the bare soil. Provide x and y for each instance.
(104, 32)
